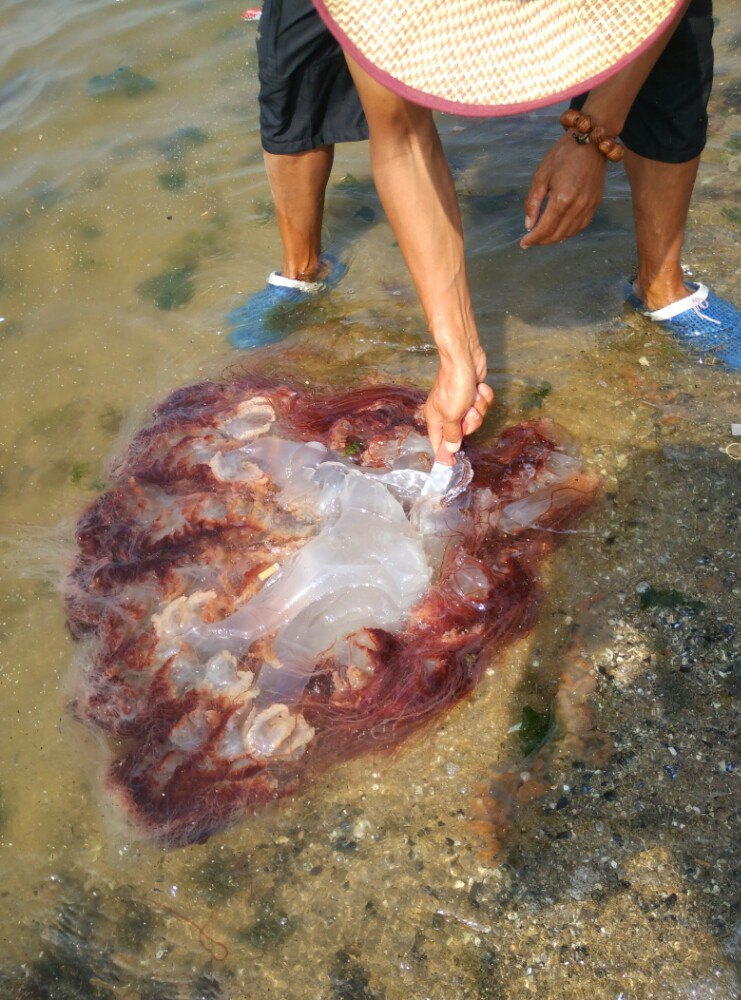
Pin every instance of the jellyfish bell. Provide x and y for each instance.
(268, 587)
(470, 581)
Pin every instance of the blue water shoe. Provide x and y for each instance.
(702, 321)
(269, 315)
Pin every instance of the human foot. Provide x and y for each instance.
(700, 320)
(269, 315)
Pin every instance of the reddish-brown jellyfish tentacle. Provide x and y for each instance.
(216, 695)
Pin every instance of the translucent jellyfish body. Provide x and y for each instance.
(268, 588)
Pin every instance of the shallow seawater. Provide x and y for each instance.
(134, 213)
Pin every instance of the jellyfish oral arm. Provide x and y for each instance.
(337, 577)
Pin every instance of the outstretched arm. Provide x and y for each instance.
(570, 179)
(415, 187)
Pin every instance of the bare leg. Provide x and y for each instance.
(661, 200)
(298, 182)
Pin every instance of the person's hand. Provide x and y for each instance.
(458, 400)
(572, 177)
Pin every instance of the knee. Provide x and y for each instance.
(399, 123)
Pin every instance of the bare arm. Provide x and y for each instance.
(417, 193)
(571, 176)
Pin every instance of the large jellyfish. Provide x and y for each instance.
(270, 586)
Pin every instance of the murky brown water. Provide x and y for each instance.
(371, 885)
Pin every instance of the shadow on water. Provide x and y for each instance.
(592, 850)
(92, 943)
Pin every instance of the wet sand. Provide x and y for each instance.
(619, 879)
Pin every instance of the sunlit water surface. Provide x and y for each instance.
(134, 214)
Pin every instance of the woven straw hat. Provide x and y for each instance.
(494, 57)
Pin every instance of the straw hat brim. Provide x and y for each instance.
(494, 57)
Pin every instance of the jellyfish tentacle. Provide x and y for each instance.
(264, 590)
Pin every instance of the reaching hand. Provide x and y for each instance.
(458, 400)
(572, 177)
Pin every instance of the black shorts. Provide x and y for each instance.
(669, 118)
(307, 96)
(308, 99)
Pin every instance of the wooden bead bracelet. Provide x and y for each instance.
(584, 130)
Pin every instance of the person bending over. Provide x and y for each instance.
(312, 96)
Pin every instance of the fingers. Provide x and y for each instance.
(435, 434)
(565, 216)
(452, 435)
(571, 226)
(475, 414)
(486, 392)
(445, 431)
(446, 424)
(472, 421)
(548, 224)
(574, 177)
(474, 417)
(535, 198)
(435, 423)
(481, 403)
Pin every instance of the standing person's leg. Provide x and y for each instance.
(298, 182)
(664, 135)
(308, 103)
(661, 199)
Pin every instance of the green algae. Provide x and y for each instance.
(183, 140)
(174, 287)
(89, 231)
(171, 289)
(534, 729)
(651, 597)
(110, 419)
(173, 180)
(533, 398)
(365, 213)
(78, 472)
(122, 82)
